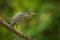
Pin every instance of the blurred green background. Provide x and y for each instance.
(44, 25)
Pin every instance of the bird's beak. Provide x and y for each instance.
(33, 13)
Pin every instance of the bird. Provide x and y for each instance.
(19, 16)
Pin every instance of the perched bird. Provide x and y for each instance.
(19, 16)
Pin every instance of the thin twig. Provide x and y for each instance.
(20, 34)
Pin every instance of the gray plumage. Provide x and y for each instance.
(16, 18)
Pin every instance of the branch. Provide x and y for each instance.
(20, 34)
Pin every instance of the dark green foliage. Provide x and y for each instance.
(44, 25)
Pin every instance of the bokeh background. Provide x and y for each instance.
(44, 25)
